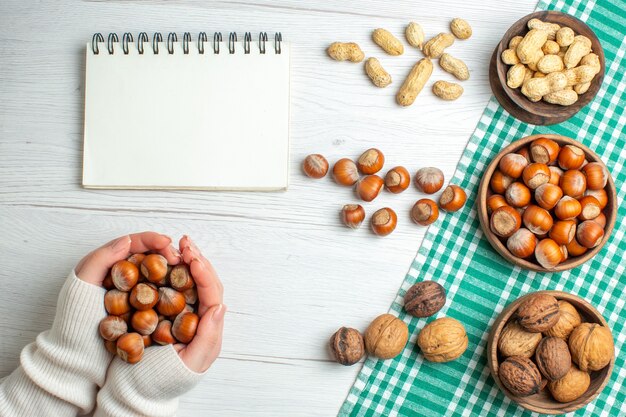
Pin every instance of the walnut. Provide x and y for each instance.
(386, 336)
(515, 341)
(424, 299)
(574, 384)
(347, 346)
(568, 320)
(553, 358)
(591, 345)
(443, 340)
(538, 313)
(520, 376)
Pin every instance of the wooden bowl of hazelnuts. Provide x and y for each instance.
(551, 352)
(547, 203)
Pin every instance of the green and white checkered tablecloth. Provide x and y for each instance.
(480, 283)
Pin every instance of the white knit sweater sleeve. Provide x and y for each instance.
(150, 387)
(61, 371)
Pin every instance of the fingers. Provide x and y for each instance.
(207, 344)
(151, 241)
(94, 267)
(208, 284)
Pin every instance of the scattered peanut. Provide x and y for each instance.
(414, 82)
(576, 51)
(414, 35)
(509, 57)
(539, 87)
(565, 36)
(388, 42)
(551, 48)
(549, 28)
(516, 75)
(454, 66)
(529, 49)
(377, 73)
(550, 63)
(447, 90)
(564, 97)
(435, 47)
(460, 28)
(345, 52)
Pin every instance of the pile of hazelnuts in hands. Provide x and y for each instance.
(427, 180)
(547, 202)
(148, 301)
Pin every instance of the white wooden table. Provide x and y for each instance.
(293, 274)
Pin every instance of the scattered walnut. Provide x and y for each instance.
(386, 336)
(553, 358)
(574, 384)
(538, 313)
(568, 320)
(347, 346)
(443, 340)
(424, 299)
(515, 341)
(591, 345)
(520, 376)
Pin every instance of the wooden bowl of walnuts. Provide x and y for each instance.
(547, 203)
(547, 67)
(551, 352)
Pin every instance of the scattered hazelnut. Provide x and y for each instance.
(520, 376)
(111, 346)
(571, 387)
(124, 275)
(538, 313)
(368, 187)
(553, 358)
(424, 299)
(397, 179)
(425, 212)
(442, 340)
(352, 215)
(147, 340)
(429, 180)
(315, 166)
(345, 172)
(592, 346)
(452, 199)
(386, 336)
(347, 346)
(515, 341)
(371, 161)
(130, 347)
(384, 221)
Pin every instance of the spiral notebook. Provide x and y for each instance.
(194, 113)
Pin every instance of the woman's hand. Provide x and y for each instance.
(206, 345)
(94, 267)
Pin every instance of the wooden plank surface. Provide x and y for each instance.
(292, 273)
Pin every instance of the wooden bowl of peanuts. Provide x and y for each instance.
(547, 67)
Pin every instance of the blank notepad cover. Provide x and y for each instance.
(194, 121)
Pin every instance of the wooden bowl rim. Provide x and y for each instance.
(551, 111)
(492, 350)
(483, 217)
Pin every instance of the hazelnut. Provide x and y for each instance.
(442, 340)
(515, 341)
(544, 150)
(315, 166)
(520, 376)
(563, 231)
(371, 161)
(538, 313)
(116, 302)
(124, 275)
(136, 259)
(163, 333)
(517, 195)
(347, 346)
(589, 234)
(535, 175)
(384, 221)
(522, 243)
(154, 267)
(425, 212)
(368, 187)
(130, 347)
(424, 299)
(547, 195)
(548, 254)
(537, 220)
(569, 388)
(180, 278)
(569, 318)
(185, 326)
(429, 180)
(575, 249)
(555, 175)
(191, 295)
(397, 179)
(500, 182)
(600, 195)
(567, 208)
(596, 175)
(505, 221)
(591, 345)
(571, 157)
(513, 164)
(601, 220)
(111, 346)
(386, 336)
(352, 215)
(143, 296)
(590, 208)
(144, 321)
(112, 327)
(494, 202)
(345, 172)
(553, 358)
(107, 283)
(171, 302)
(453, 198)
(573, 183)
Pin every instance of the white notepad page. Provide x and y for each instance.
(192, 121)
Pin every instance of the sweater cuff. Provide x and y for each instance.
(150, 387)
(70, 359)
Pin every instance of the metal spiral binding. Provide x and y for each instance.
(262, 40)
(247, 38)
(173, 37)
(112, 38)
(217, 38)
(143, 37)
(232, 38)
(201, 40)
(127, 37)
